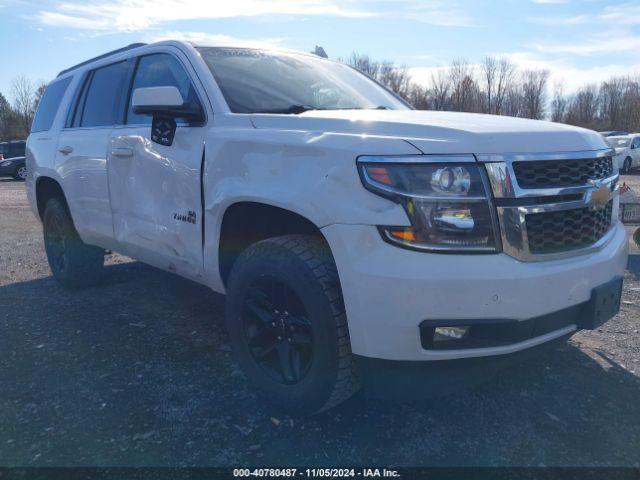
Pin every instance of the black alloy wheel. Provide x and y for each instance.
(277, 330)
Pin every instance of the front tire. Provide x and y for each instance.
(73, 263)
(287, 324)
(626, 166)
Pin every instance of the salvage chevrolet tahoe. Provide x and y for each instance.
(358, 241)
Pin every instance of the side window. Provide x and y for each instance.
(636, 142)
(16, 149)
(101, 100)
(49, 104)
(160, 70)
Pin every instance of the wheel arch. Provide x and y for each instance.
(47, 188)
(247, 222)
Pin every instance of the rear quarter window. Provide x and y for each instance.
(49, 104)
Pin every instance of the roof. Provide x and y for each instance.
(196, 44)
(104, 55)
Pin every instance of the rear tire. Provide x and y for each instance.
(73, 263)
(284, 301)
(21, 173)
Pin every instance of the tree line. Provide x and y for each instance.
(498, 87)
(494, 86)
(16, 116)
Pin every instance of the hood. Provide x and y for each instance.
(443, 132)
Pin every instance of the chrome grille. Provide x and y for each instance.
(564, 230)
(561, 173)
(553, 205)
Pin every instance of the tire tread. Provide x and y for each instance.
(315, 253)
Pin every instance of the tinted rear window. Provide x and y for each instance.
(16, 149)
(103, 100)
(49, 104)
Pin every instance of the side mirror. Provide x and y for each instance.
(164, 104)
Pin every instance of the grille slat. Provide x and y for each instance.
(565, 230)
(561, 173)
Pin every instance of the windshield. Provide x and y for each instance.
(617, 142)
(259, 81)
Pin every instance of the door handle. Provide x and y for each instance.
(65, 150)
(122, 152)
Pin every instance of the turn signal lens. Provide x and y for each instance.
(380, 175)
(403, 234)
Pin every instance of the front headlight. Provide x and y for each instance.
(6, 163)
(446, 199)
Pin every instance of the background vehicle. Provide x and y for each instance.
(627, 150)
(358, 241)
(614, 133)
(15, 148)
(14, 167)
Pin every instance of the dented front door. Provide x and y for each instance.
(156, 197)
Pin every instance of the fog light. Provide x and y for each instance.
(450, 333)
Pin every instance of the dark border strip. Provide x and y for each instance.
(432, 473)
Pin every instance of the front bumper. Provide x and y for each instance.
(390, 291)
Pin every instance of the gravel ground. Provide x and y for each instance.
(137, 372)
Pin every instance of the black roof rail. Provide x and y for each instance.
(104, 55)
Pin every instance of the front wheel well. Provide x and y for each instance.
(246, 223)
(47, 188)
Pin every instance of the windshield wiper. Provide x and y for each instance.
(296, 109)
(291, 109)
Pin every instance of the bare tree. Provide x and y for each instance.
(364, 64)
(419, 97)
(583, 108)
(440, 90)
(534, 91)
(396, 78)
(389, 74)
(489, 70)
(23, 97)
(630, 116)
(559, 103)
(504, 80)
(514, 101)
(464, 88)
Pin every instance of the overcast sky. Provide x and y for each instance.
(580, 41)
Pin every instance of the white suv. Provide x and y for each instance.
(358, 241)
(627, 151)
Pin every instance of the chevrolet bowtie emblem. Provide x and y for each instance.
(599, 196)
